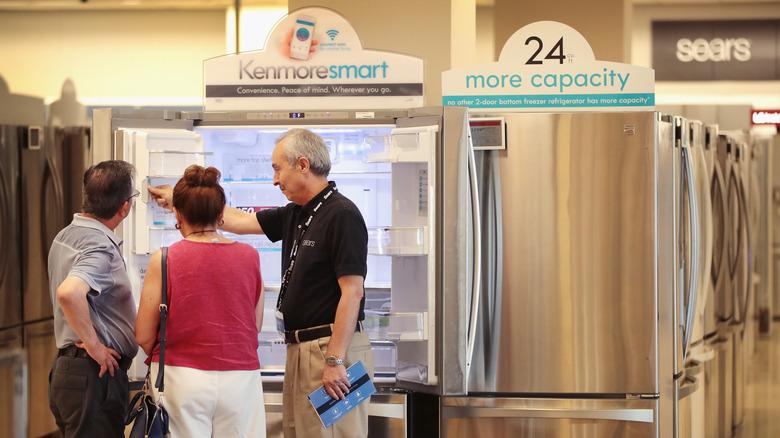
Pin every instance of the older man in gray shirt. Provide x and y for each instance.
(94, 310)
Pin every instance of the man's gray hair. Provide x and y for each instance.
(299, 143)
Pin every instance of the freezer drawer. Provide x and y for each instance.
(41, 352)
(13, 381)
(543, 418)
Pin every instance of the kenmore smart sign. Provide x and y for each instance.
(247, 70)
(312, 60)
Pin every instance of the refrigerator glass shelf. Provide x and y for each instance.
(157, 176)
(263, 181)
(165, 151)
(395, 326)
(398, 241)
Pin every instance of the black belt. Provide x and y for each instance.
(310, 334)
(80, 353)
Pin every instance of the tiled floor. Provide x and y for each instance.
(762, 396)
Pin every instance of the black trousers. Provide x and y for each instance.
(85, 405)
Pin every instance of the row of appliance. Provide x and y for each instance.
(44, 151)
(586, 274)
(40, 188)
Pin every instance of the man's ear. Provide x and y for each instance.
(304, 164)
(124, 210)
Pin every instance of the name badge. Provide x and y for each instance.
(280, 322)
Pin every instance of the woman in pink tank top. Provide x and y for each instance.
(215, 309)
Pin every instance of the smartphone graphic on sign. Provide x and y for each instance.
(302, 36)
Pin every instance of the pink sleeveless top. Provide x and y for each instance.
(213, 289)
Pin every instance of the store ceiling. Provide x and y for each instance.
(130, 4)
(220, 4)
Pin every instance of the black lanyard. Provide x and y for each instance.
(294, 251)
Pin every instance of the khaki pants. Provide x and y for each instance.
(303, 374)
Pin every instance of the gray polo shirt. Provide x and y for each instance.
(87, 249)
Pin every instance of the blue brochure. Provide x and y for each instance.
(330, 410)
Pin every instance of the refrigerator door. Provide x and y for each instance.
(77, 156)
(160, 157)
(10, 270)
(13, 380)
(688, 242)
(718, 274)
(725, 309)
(569, 225)
(41, 352)
(439, 363)
(547, 418)
(705, 226)
(43, 216)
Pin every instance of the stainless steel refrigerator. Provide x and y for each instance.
(408, 173)
(52, 167)
(717, 315)
(742, 273)
(590, 267)
(13, 362)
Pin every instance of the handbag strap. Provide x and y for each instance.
(160, 383)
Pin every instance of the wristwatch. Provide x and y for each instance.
(334, 361)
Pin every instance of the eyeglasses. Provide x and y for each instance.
(135, 193)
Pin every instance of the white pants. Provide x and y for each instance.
(213, 403)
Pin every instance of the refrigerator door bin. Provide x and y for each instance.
(406, 145)
(398, 241)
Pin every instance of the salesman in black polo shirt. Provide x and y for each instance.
(320, 306)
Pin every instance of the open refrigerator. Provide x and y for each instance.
(410, 174)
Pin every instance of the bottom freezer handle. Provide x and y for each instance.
(635, 415)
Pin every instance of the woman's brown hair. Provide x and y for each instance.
(198, 197)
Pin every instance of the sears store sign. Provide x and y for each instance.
(716, 50)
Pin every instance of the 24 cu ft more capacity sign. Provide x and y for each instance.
(313, 59)
(548, 66)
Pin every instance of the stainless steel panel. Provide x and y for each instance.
(578, 307)
(41, 352)
(712, 393)
(10, 270)
(726, 388)
(505, 417)
(670, 341)
(13, 380)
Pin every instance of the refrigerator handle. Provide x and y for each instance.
(5, 212)
(707, 227)
(50, 176)
(632, 415)
(747, 252)
(693, 202)
(476, 297)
